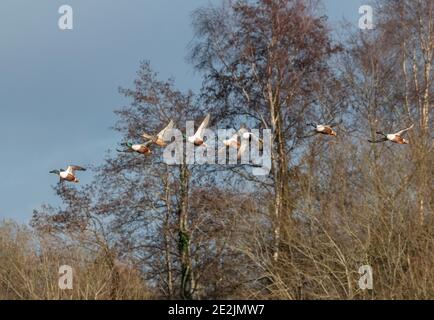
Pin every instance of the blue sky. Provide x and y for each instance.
(58, 89)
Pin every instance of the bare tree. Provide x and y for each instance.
(269, 61)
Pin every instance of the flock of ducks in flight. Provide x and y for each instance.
(198, 140)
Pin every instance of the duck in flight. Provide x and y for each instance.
(197, 138)
(394, 137)
(323, 129)
(245, 136)
(233, 142)
(68, 174)
(142, 148)
(159, 139)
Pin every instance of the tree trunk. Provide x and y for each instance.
(184, 237)
(279, 167)
(166, 231)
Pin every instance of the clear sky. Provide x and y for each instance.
(58, 89)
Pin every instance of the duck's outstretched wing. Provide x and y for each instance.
(312, 133)
(148, 136)
(242, 149)
(162, 133)
(377, 141)
(242, 130)
(202, 127)
(404, 130)
(73, 168)
(125, 151)
(231, 143)
(147, 143)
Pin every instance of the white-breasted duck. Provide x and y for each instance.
(159, 139)
(240, 141)
(394, 137)
(197, 138)
(68, 174)
(323, 129)
(142, 148)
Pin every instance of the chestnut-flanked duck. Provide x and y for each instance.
(68, 174)
(324, 129)
(197, 138)
(142, 148)
(159, 139)
(394, 137)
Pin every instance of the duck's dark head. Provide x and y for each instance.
(56, 171)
